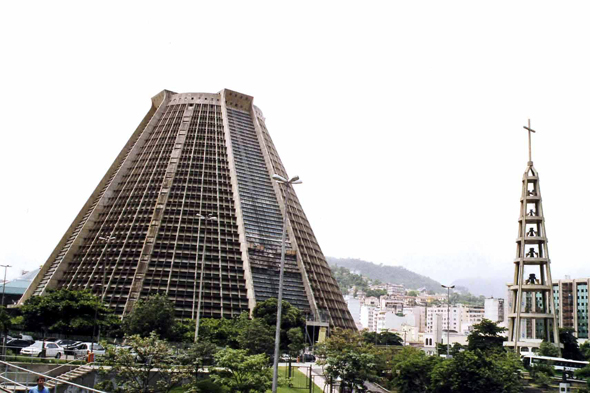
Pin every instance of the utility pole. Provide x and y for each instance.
(3, 292)
(4, 286)
(102, 289)
(275, 372)
(448, 318)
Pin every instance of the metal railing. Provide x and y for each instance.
(10, 385)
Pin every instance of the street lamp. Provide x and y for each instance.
(3, 292)
(105, 239)
(209, 217)
(4, 286)
(448, 317)
(281, 180)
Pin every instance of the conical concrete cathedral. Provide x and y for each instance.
(532, 315)
(191, 196)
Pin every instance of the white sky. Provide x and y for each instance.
(404, 119)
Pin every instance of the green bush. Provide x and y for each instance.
(208, 385)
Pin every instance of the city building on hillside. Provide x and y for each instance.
(354, 307)
(439, 335)
(461, 317)
(571, 304)
(376, 319)
(394, 304)
(371, 301)
(494, 310)
(472, 315)
(379, 287)
(410, 301)
(191, 202)
(420, 314)
(368, 317)
(433, 335)
(396, 289)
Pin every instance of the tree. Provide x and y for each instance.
(291, 317)
(370, 337)
(296, 341)
(383, 338)
(5, 321)
(375, 292)
(411, 370)
(223, 332)
(548, 349)
(67, 312)
(346, 355)
(156, 314)
(240, 372)
(571, 349)
(585, 349)
(455, 348)
(486, 337)
(146, 367)
(198, 355)
(413, 293)
(584, 373)
(467, 298)
(257, 337)
(347, 280)
(542, 373)
(390, 338)
(477, 371)
(185, 330)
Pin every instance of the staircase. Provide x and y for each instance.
(19, 379)
(69, 376)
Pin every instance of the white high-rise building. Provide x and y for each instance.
(494, 310)
(354, 306)
(368, 320)
(460, 318)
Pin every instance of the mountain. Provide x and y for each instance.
(384, 273)
(489, 286)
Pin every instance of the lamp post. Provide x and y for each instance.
(4, 285)
(106, 239)
(3, 292)
(448, 317)
(275, 371)
(209, 217)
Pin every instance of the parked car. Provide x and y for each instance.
(20, 337)
(51, 349)
(286, 358)
(66, 342)
(127, 348)
(16, 344)
(82, 349)
(308, 357)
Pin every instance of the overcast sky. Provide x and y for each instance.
(403, 119)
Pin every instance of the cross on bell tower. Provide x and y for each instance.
(529, 129)
(532, 315)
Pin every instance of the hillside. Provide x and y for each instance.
(383, 273)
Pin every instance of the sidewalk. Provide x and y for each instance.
(317, 377)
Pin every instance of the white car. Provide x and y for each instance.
(82, 349)
(51, 349)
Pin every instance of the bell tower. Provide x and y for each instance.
(532, 316)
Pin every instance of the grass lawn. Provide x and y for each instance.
(298, 379)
